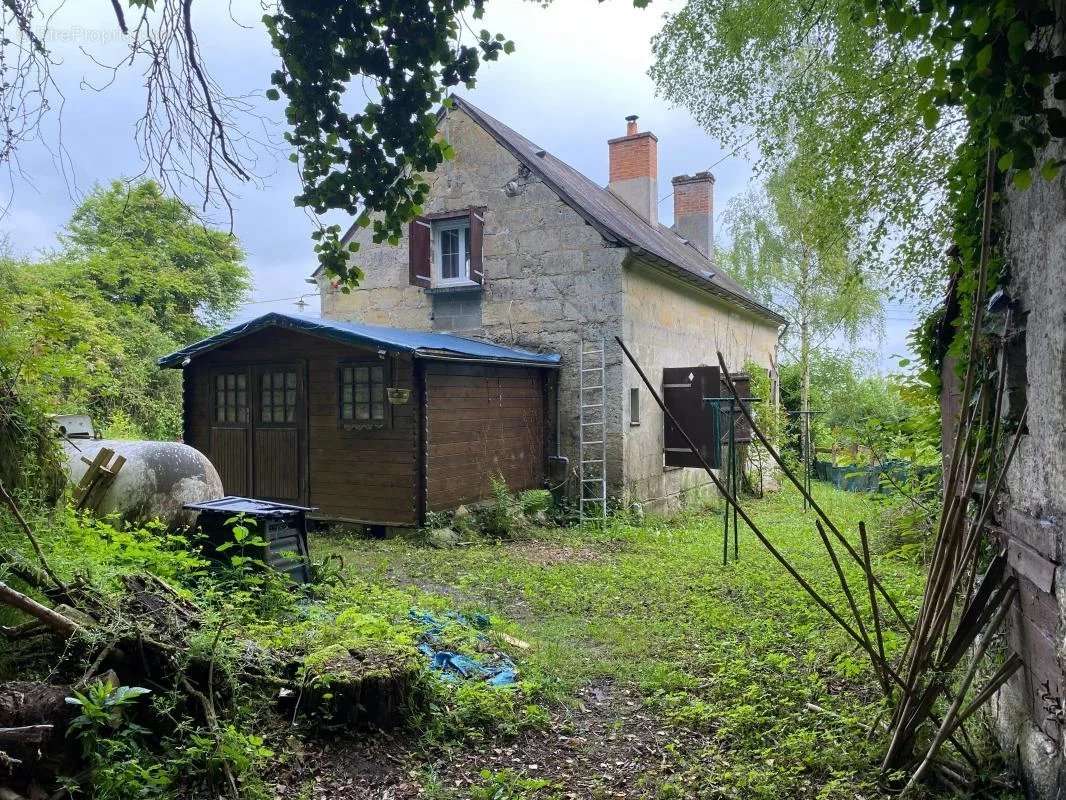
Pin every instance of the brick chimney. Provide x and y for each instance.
(634, 172)
(694, 210)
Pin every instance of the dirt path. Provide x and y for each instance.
(608, 745)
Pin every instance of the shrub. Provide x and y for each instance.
(503, 517)
(32, 462)
(535, 501)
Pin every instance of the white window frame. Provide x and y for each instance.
(460, 224)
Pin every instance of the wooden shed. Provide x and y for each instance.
(370, 424)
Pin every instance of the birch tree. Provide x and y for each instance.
(814, 79)
(785, 253)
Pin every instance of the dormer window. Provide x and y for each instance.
(451, 250)
(445, 249)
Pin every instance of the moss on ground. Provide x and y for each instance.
(650, 665)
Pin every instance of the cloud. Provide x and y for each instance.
(29, 231)
(579, 68)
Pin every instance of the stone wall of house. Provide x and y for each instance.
(1034, 222)
(1034, 226)
(551, 283)
(549, 278)
(668, 324)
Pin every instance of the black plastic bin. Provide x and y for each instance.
(283, 526)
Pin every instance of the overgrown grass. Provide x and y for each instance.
(349, 640)
(780, 698)
(738, 651)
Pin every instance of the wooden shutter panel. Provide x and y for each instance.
(743, 431)
(683, 391)
(418, 252)
(477, 236)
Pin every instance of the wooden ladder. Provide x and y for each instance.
(97, 478)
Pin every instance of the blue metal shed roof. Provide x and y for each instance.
(420, 344)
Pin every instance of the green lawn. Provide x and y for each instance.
(780, 699)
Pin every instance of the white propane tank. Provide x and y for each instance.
(156, 481)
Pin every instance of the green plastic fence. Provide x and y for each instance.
(862, 478)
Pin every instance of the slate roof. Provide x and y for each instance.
(420, 344)
(612, 218)
(616, 221)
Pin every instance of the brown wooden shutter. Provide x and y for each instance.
(683, 391)
(477, 236)
(419, 252)
(743, 431)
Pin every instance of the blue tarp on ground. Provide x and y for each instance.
(499, 670)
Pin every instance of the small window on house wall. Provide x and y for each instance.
(362, 394)
(445, 249)
(231, 397)
(451, 247)
(278, 396)
(634, 406)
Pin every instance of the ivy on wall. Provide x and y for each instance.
(997, 61)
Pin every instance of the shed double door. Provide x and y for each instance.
(259, 430)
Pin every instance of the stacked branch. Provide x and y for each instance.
(142, 638)
(938, 642)
(959, 612)
(963, 608)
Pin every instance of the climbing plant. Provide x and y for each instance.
(998, 63)
(995, 61)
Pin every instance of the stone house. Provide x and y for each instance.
(520, 249)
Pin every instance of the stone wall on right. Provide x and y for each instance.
(1034, 512)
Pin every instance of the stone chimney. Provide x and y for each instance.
(694, 210)
(634, 173)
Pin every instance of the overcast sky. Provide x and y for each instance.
(579, 68)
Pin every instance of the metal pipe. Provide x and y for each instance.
(735, 476)
(817, 508)
(869, 568)
(744, 515)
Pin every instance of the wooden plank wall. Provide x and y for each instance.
(482, 421)
(1033, 624)
(277, 478)
(353, 474)
(230, 454)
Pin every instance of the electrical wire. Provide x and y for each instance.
(284, 299)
